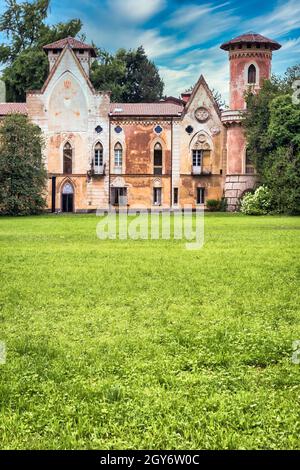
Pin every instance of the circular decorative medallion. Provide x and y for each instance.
(201, 114)
(118, 129)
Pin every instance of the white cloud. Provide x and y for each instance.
(176, 80)
(191, 13)
(136, 10)
(178, 43)
(203, 23)
(185, 70)
(284, 19)
(157, 46)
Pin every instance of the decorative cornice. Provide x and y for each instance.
(250, 53)
(142, 121)
(232, 117)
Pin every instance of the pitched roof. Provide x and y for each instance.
(202, 82)
(251, 38)
(72, 42)
(11, 108)
(146, 109)
(53, 70)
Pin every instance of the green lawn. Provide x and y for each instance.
(143, 344)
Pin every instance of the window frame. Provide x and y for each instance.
(116, 195)
(197, 156)
(67, 160)
(200, 196)
(98, 156)
(176, 199)
(157, 201)
(252, 74)
(158, 167)
(118, 155)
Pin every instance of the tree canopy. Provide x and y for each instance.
(272, 127)
(22, 171)
(27, 32)
(129, 75)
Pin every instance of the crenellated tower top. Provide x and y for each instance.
(250, 57)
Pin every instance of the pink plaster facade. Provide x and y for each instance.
(250, 58)
(201, 147)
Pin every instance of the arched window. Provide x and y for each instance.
(158, 159)
(67, 158)
(252, 74)
(118, 155)
(98, 156)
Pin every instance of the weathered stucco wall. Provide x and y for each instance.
(68, 110)
(240, 61)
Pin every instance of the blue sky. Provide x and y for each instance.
(183, 36)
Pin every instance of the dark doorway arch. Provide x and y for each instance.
(67, 197)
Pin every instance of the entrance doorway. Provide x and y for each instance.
(68, 198)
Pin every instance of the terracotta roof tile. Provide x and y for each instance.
(10, 108)
(251, 38)
(146, 109)
(72, 42)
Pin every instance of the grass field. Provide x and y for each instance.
(143, 344)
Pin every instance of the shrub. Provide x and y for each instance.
(213, 205)
(258, 203)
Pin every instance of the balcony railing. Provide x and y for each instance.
(201, 170)
(98, 170)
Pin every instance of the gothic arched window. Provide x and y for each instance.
(67, 158)
(158, 159)
(98, 155)
(118, 155)
(252, 74)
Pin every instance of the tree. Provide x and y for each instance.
(22, 172)
(272, 126)
(108, 73)
(130, 75)
(221, 103)
(28, 72)
(26, 31)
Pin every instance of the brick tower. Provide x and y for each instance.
(250, 57)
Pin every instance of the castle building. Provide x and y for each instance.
(165, 155)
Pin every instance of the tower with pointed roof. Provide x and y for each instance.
(250, 58)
